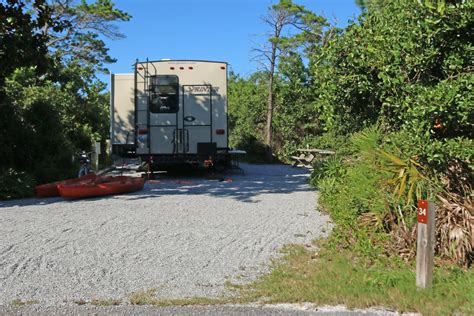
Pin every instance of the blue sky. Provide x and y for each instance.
(223, 30)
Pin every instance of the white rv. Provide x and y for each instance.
(171, 112)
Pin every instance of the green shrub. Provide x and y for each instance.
(356, 190)
(331, 167)
(255, 149)
(371, 196)
(15, 184)
(352, 185)
(330, 140)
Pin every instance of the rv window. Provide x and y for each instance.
(164, 94)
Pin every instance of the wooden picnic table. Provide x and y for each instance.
(305, 156)
(317, 151)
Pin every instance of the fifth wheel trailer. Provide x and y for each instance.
(171, 112)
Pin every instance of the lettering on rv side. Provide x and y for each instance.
(200, 89)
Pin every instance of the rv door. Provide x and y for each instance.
(163, 113)
(197, 115)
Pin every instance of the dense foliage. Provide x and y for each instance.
(294, 115)
(51, 103)
(407, 66)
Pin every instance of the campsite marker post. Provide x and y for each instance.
(425, 244)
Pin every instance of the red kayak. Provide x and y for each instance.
(51, 189)
(101, 186)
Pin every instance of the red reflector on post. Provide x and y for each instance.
(220, 131)
(422, 211)
(142, 131)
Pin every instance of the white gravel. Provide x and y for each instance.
(201, 310)
(182, 237)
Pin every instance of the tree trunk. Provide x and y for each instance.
(268, 127)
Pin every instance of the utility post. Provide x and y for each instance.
(425, 244)
(95, 155)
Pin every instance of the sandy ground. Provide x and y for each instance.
(219, 310)
(182, 237)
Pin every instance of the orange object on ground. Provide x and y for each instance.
(208, 163)
(438, 124)
(101, 186)
(51, 189)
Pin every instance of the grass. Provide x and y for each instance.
(333, 277)
(18, 302)
(147, 297)
(110, 302)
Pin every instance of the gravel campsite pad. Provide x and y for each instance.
(184, 237)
